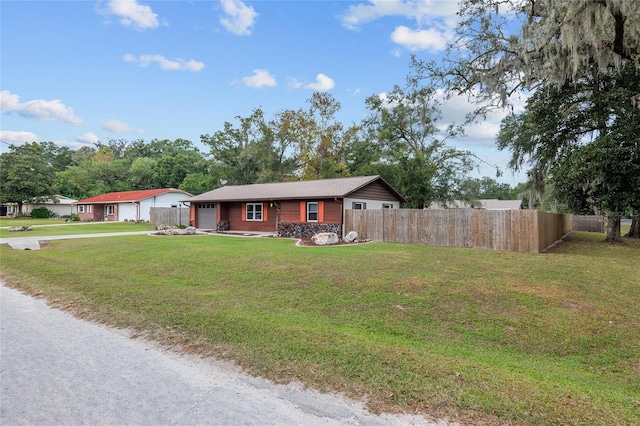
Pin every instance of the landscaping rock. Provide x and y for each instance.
(19, 228)
(305, 230)
(325, 238)
(351, 237)
(190, 231)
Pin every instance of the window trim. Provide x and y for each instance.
(387, 205)
(316, 212)
(362, 204)
(251, 209)
(110, 209)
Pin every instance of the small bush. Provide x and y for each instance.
(41, 213)
(75, 217)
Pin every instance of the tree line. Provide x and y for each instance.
(397, 142)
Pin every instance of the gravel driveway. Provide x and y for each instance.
(56, 369)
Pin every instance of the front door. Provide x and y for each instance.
(110, 212)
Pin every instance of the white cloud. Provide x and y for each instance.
(238, 17)
(17, 137)
(132, 14)
(421, 11)
(39, 109)
(260, 78)
(435, 21)
(323, 84)
(482, 133)
(87, 138)
(117, 126)
(414, 40)
(294, 83)
(165, 64)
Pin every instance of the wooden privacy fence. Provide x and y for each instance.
(506, 230)
(588, 223)
(170, 216)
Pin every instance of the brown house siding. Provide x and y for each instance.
(290, 211)
(332, 211)
(374, 191)
(237, 224)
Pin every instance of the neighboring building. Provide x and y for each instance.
(306, 206)
(489, 204)
(61, 206)
(129, 205)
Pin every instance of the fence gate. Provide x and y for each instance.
(169, 216)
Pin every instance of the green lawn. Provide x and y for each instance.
(25, 221)
(486, 337)
(73, 228)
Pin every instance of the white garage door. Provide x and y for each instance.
(207, 216)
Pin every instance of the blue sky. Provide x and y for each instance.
(76, 72)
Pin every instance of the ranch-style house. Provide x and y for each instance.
(300, 208)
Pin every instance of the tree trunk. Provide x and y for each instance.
(613, 230)
(634, 231)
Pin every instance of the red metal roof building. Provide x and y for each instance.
(128, 205)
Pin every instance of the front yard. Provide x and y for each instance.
(46, 229)
(480, 336)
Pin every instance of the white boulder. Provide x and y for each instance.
(325, 238)
(351, 237)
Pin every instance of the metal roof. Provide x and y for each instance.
(322, 188)
(128, 196)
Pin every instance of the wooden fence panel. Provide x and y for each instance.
(505, 230)
(169, 216)
(587, 223)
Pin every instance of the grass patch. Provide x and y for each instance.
(26, 221)
(78, 228)
(483, 336)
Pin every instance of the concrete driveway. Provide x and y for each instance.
(56, 369)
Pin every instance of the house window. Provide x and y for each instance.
(110, 210)
(312, 212)
(358, 206)
(80, 209)
(254, 212)
(387, 205)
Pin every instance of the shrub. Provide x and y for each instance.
(41, 213)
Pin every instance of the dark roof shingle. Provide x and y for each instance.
(322, 188)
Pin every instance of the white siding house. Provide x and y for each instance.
(129, 205)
